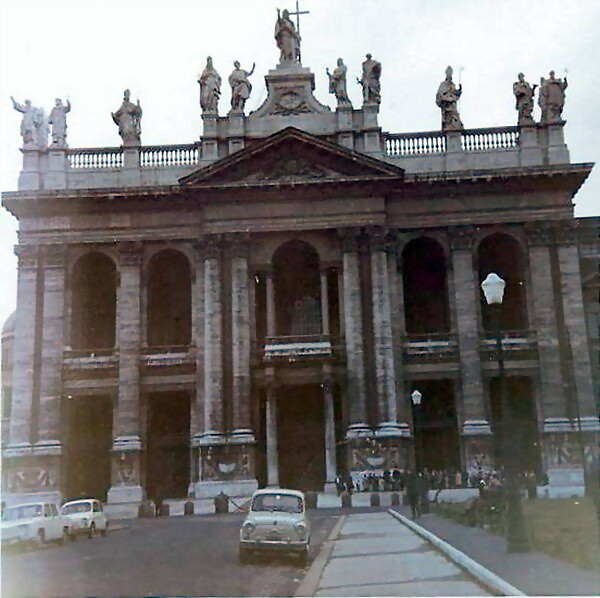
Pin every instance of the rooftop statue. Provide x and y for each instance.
(447, 99)
(371, 85)
(524, 97)
(552, 99)
(288, 39)
(58, 120)
(210, 87)
(33, 125)
(240, 87)
(337, 83)
(129, 119)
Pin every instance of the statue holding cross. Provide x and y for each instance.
(288, 39)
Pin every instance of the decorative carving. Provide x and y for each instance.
(289, 104)
(370, 81)
(337, 83)
(287, 38)
(239, 243)
(377, 455)
(27, 255)
(58, 120)
(33, 478)
(349, 238)
(127, 469)
(382, 239)
(461, 238)
(34, 127)
(212, 246)
(565, 233)
(226, 462)
(210, 87)
(240, 87)
(129, 120)
(539, 233)
(524, 101)
(54, 256)
(446, 98)
(552, 99)
(130, 253)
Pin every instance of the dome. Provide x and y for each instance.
(9, 326)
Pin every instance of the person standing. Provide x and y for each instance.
(413, 494)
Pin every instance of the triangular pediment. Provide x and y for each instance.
(291, 156)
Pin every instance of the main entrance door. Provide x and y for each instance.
(168, 454)
(301, 437)
(89, 438)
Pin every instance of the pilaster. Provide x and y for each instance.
(56, 177)
(330, 443)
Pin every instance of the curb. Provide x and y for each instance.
(310, 583)
(483, 575)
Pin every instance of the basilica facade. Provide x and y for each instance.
(257, 308)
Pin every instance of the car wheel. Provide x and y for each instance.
(92, 531)
(40, 538)
(65, 536)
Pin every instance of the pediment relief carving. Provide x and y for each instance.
(290, 168)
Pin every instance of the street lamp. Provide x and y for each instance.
(416, 398)
(493, 289)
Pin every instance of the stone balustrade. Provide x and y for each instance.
(94, 157)
(161, 156)
(411, 144)
(436, 347)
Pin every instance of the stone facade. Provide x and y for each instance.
(292, 215)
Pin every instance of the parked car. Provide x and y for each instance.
(33, 523)
(276, 521)
(85, 516)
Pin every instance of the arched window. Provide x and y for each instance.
(501, 253)
(425, 287)
(297, 289)
(94, 301)
(169, 299)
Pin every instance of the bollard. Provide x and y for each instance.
(221, 503)
(395, 499)
(145, 510)
(346, 499)
(311, 499)
(375, 500)
(164, 509)
(188, 508)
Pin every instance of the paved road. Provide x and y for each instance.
(173, 556)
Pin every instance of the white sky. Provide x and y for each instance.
(90, 51)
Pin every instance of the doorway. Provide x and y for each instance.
(89, 441)
(301, 437)
(168, 445)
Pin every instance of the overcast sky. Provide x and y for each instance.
(90, 51)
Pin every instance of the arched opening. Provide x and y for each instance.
(425, 287)
(500, 253)
(297, 290)
(94, 302)
(169, 299)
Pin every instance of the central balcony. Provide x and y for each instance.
(297, 348)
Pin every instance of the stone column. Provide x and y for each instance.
(388, 425)
(272, 454)
(354, 336)
(18, 449)
(324, 302)
(48, 443)
(271, 326)
(127, 443)
(475, 429)
(330, 452)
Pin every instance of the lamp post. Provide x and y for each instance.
(493, 289)
(416, 398)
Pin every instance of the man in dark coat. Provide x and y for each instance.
(413, 493)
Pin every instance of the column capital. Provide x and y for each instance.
(211, 246)
(539, 233)
(54, 256)
(565, 232)
(382, 239)
(130, 253)
(239, 243)
(349, 238)
(461, 237)
(27, 255)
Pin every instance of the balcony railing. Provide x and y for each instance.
(434, 142)
(516, 344)
(83, 359)
(436, 347)
(293, 348)
(171, 355)
(93, 157)
(162, 156)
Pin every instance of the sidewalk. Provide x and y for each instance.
(533, 573)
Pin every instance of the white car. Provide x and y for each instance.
(85, 516)
(276, 521)
(37, 523)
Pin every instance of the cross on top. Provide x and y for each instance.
(297, 13)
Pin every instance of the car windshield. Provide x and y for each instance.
(277, 502)
(23, 512)
(77, 507)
